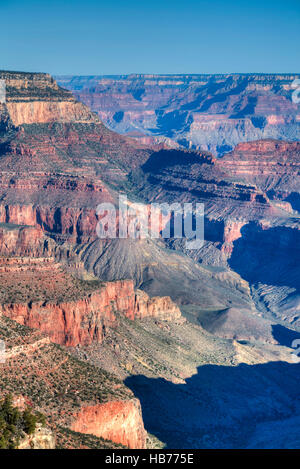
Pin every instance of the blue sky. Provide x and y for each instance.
(121, 37)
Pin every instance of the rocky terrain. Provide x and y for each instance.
(272, 166)
(250, 212)
(184, 326)
(207, 112)
(68, 392)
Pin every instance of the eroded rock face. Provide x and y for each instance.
(22, 240)
(119, 421)
(161, 307)
(42, 438)
(36, 98)
(74, 224)
(232, 231)
(273, 166)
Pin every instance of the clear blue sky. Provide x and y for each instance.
(166, 36)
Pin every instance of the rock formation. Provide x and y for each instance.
(209, 112)
(273, 166)
(42, 438)
(36, 98)
(117, 421)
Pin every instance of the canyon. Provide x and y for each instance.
(167, 321)
(206, 112)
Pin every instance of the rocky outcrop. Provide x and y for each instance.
(160, 307)
(63, 223)
(23, 241)
(119, 421)
(232, 231)
(36, 98)
(42, 438)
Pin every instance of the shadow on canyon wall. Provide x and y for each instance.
(220, 406)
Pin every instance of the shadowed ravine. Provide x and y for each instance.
(223, 407)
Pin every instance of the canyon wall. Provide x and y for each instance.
(209, 112)
(273, 166)
(70, 394)
(18, 240)
(116, 420)
(36, 98)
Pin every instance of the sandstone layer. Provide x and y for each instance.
(36, 98)
(67, 391)
(116, 421)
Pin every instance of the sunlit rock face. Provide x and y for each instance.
(119, 421)
(36, 98)
(208, 112)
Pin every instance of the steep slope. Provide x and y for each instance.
(161, 272)
(36, 98)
